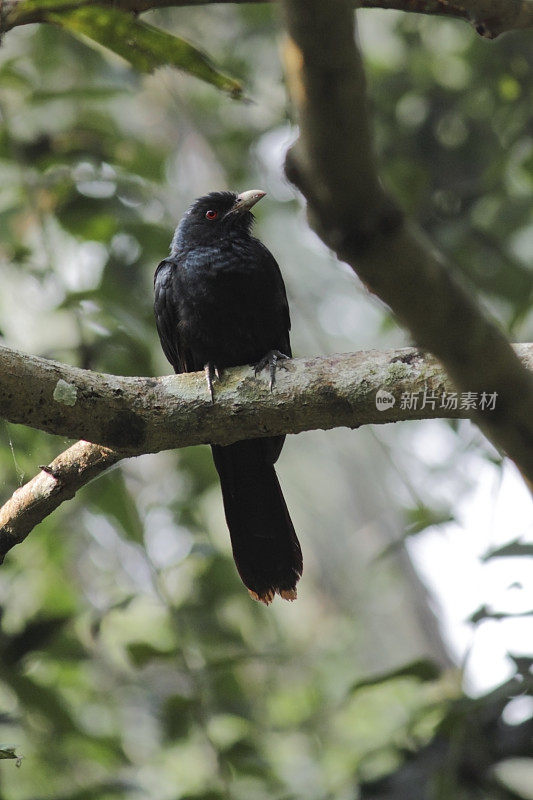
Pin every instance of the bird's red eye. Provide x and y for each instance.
(211, 214)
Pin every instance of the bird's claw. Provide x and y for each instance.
(211, 372)
(272, 360)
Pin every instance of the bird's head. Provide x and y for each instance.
(215, 216)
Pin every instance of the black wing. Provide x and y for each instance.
(281, 296)
(166, 309)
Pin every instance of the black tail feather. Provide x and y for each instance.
(265, 546)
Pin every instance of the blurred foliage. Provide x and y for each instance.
(132, 662)
(457, 149)
(470, 740)
(144, 46)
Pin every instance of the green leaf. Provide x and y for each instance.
(112, 788)
(244, 758)
(417, 519)
(8, 751)
(484, 612)
(84, 93)
(141, 653)
(38, 698)
(12, 77)
(177, 715)
(421, 669)
(111, 497)
(514, 548)
(35, 636)
(523, 664)
(421, 517)
(142, 45)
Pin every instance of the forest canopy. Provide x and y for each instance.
(132, 662)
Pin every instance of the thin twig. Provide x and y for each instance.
(55, 483)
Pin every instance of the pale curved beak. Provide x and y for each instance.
(245, 200)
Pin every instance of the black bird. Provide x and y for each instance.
(220, 302)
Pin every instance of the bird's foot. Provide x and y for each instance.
(211, 372)
(272, 360)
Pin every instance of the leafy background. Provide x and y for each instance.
(132, 661)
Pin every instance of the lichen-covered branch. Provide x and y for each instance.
(334, 166)
(489, 17)
(146, 415)
(141, 415)
(55, 483)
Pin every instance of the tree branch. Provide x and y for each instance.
(148, 414)
(57, 482)
(334, 166)
(489, 17)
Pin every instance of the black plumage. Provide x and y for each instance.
(219, 302)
